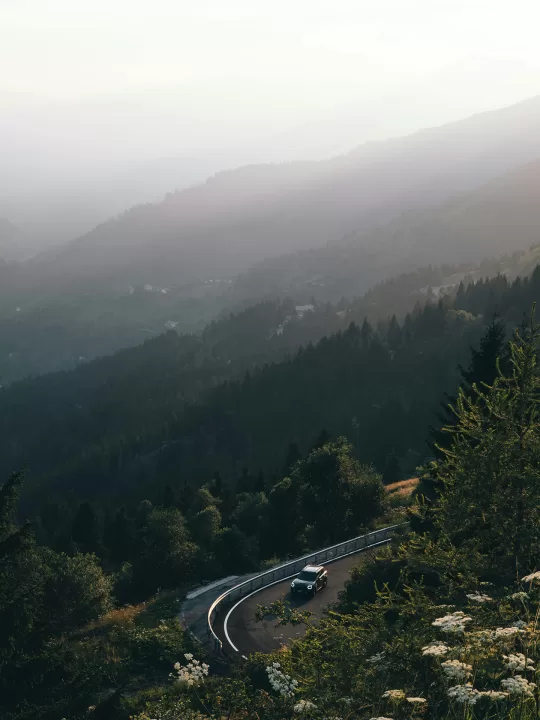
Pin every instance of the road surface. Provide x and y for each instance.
(250, 636)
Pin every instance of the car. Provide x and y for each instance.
(309, 581)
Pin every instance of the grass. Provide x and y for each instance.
(403, 488)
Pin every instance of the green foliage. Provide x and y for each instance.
(165, 553)
(75, 592)
(336, 495)
(493, 470)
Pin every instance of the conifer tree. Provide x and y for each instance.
(491, 472)
(482, 371)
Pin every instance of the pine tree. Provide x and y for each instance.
(85, 529)
(291, 458)
(483, 369)
(392, 470)
(169, 497)
(491, 472)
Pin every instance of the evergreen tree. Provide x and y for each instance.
(85, 528)
(169, 497)
(291, 458)
(392, 470)
(492, 469)
(482, 370)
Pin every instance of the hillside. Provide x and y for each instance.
(242, 216)
(437, 624)
(365, 216)
(10, 241)
(501, 217)
(128, 425)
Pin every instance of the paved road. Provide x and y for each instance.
(250, 636)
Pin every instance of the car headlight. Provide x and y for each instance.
(310, 587)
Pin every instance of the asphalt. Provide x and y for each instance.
(250, 636)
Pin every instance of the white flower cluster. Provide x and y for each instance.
(381, 718)
(517, 662)
(494, 695)
(480, 598)
(453, 623)
(533, 577)
(394, 695)
(507, 633)
(303, 705)
(416, 700)
(456, 670)
(281, 683)
(521, 624)
(376, 659)
(520, 596)
(464, 694)
(518, 685)
(192, 673)
(435, 649)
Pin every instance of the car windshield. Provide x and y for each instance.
(307, 575)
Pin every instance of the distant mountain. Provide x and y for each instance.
(499, 218)
(240, 217)
(10, 245)
(376, 212)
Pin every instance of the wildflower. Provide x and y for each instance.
(464, 694)
(192, 673)
(456, 670)
(483, 637)
(281, 683)
(395, 695)
(533, 577)
(480, 598)
(453, 623)
(520, 596)
(303, 705)
(376, 659)
(416, 700)
(517, 662)
(507, 633)
(518, 685)
(520, 624)
(381, 718)
(494, 694)
(435, 649)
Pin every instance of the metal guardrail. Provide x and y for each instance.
(288, 569)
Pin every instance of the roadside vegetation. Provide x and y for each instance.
(444, 624)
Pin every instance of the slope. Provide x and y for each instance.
(502, 216)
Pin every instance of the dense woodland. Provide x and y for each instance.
(178, 409)
(72, 648)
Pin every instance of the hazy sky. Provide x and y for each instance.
(265, 64)
(80, 47)
(87, 82)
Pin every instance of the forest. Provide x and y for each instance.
(442, 622)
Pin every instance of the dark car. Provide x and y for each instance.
(311, 579)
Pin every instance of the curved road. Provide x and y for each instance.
(250, 636)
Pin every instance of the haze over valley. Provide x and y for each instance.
(269, 360)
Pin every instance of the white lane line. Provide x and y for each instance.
(276, 582)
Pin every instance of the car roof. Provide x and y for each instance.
(313, 568)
